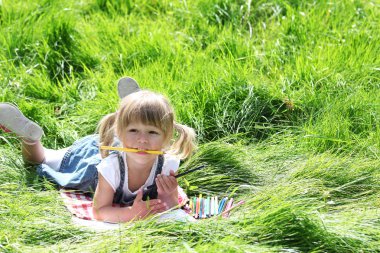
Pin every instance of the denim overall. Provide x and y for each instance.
(151, 193)
(78, 169)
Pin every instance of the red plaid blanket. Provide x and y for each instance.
(80, 204)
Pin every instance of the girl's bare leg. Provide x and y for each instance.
(33, 153)
(12, 120)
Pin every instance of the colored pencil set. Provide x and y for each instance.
(206, 207)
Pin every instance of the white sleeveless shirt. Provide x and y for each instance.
(109, 168)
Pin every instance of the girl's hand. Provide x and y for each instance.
(167, 189)
(143, 209)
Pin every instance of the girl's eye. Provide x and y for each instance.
(132, 130)
(153, 132)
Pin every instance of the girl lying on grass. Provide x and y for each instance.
(144, 125)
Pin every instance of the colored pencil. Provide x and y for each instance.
(212, 205)
(228, 207)
(221, 204)
(241, 202)
(133, 150)
(216, 205)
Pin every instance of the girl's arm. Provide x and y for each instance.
(167, 189)
(103, 209)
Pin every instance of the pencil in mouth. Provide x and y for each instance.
(132, 150)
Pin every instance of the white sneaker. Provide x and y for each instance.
(126, 86)
(12, 120)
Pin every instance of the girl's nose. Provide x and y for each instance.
(142, 138)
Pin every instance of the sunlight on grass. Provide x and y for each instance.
(284, 96)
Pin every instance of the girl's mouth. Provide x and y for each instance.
(141, 152)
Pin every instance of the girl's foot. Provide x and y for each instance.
(12, 120)
(126, 86)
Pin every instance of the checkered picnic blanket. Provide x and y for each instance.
(80, 204)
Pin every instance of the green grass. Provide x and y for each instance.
(284, 96)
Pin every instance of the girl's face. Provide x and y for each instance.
(143, 137)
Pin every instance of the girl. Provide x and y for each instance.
(144, 125)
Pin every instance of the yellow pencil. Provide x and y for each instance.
(134, 150)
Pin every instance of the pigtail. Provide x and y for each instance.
(185, 144)
(106, 132)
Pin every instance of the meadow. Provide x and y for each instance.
(283, 94)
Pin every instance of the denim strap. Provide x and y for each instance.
(160, 164)
(152, 189)
(119, 191)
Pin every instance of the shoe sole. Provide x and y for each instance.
(126, 86)
(13, 119)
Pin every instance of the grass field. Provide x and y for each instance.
(284, 96)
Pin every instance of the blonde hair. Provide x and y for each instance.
(148, 108)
